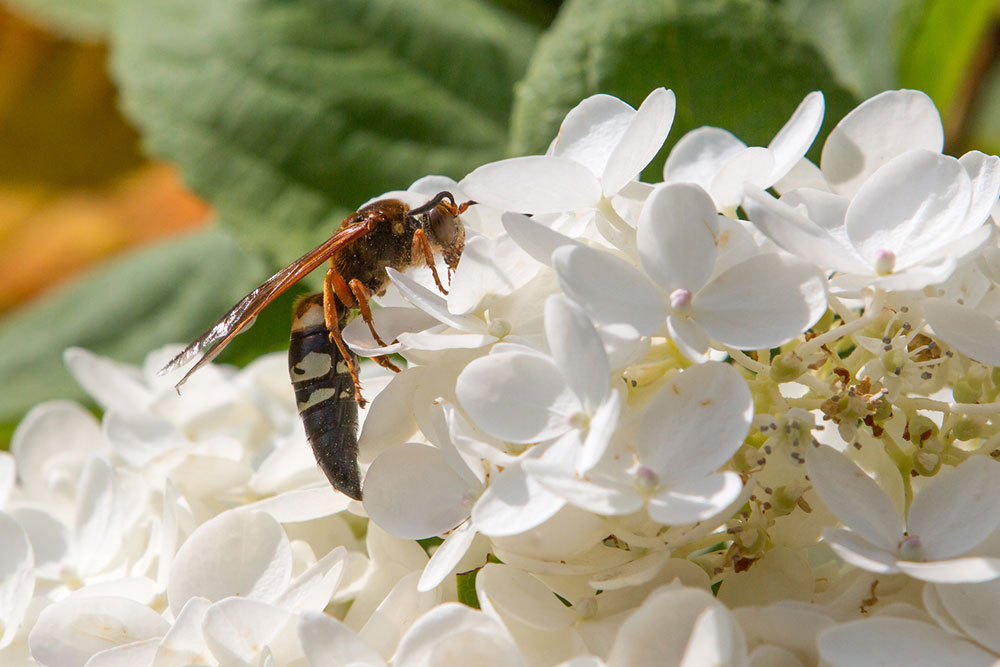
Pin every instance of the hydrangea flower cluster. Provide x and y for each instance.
(746, 415)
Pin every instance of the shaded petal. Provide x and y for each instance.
(535, 184)
(896, 641)
(971, 332)
(534, 238)
(762, 302)
(859, 552)
(412, 492)
(184, 643)
(312, 590)
(875, 132)
(67, 633)
(970, 570)
(641, 141)
(452, 634)
(677, 234)
(854, 497)
(302, 504)
(446, 558)
(751, 166)
(689, 338)
(610, 289)
(603, 423)
(514, 503)
(695, 500)
(327, 642)
(235, 553)
(17, 577)
(490, 268)
(910, 206)
(596, 493)
(434, 304)
(523, 597)
(517, 397)
(984, 171)
(974, 608)
(99, 521)
(939, 514)
(699, 155)
(695, 423)
(396, 613)
(238, 630)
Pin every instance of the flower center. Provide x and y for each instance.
(885, 261)
(680, 301)
(579, 420)
(499, 328)
(646, 479)
(911, 549)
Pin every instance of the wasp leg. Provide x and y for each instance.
(385, 362)
(361, 297)
(330, 315)
(422, 247)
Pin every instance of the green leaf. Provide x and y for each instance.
(167, 293)
(736, 64)
(466, 585)
(288, 115)
(854, 36)
(83, 20)
(940, 41)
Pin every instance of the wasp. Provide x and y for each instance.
(324, 372)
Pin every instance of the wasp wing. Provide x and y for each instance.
(242, 315)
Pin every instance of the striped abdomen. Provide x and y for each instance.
(324, 392)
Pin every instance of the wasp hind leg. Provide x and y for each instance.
(335, 288)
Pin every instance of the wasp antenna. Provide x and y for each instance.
(438, 198)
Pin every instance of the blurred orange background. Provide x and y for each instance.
(75, 188)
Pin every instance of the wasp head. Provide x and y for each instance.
(444, 229)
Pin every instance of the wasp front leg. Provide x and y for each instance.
(335, 288)
(421, 246)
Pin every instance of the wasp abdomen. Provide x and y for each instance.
(324, 392)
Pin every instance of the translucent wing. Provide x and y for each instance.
(242, 315)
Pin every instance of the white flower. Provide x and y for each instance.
(931, 543)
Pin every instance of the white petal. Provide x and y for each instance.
(534, 238)
(396, 613)
(184, 643)
(984, 170)
(699, 155)
(695, 423)
(514, 503)
(235, 553)
(599, 494)
(68, 632)
(646, 132)
(793, 231)
(677, 234)
(973, 607)
(523, 597)
(854, 497)
(390, 322)
(796, 136)
(17, 578)
(750, 167)
(602, 426)
(412, 492)
(312, 590)
(762, 302)
(490, 268)
(611, 290)
(238, 630)
(51, 541)
(875, 132)
(793, 627)
(535, 184)
(390, 419)
(113, 385)
(939, 514)
(909, 206)
(327, 642)
(8, 476)
(896, 641)
(302, 504)
(591, 130)
(690, 338)
(99, 521)
(453, 634)
(971, 332)
(695, 500)
(447, 556)
(434, 304)
(577, 350)
(859, 552)
(128, 655)
(517, 397)
(953, 571)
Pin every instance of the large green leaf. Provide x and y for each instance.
(287, 115)
(83, 20)
(168, 293)
(736, 64)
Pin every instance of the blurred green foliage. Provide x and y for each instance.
(287, 115)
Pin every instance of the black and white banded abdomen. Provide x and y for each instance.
(324, 392)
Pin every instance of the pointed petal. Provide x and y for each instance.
(676, 235)
(412, 492)
(238, 630)
(750, 167)
(794, 139)
(762, 302)
(610, 289)
(858, 551)
(940, 511)
(689, 338)
(854, 497)
(535, 184)
(642, 140)
(327, 642)
(971, 332)
(447, 556)
(602, 426)
(954, 570)
(577, 350)
(984, 171)
(875, 132)
(695, 423)
(591, 130)
(699, 155)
